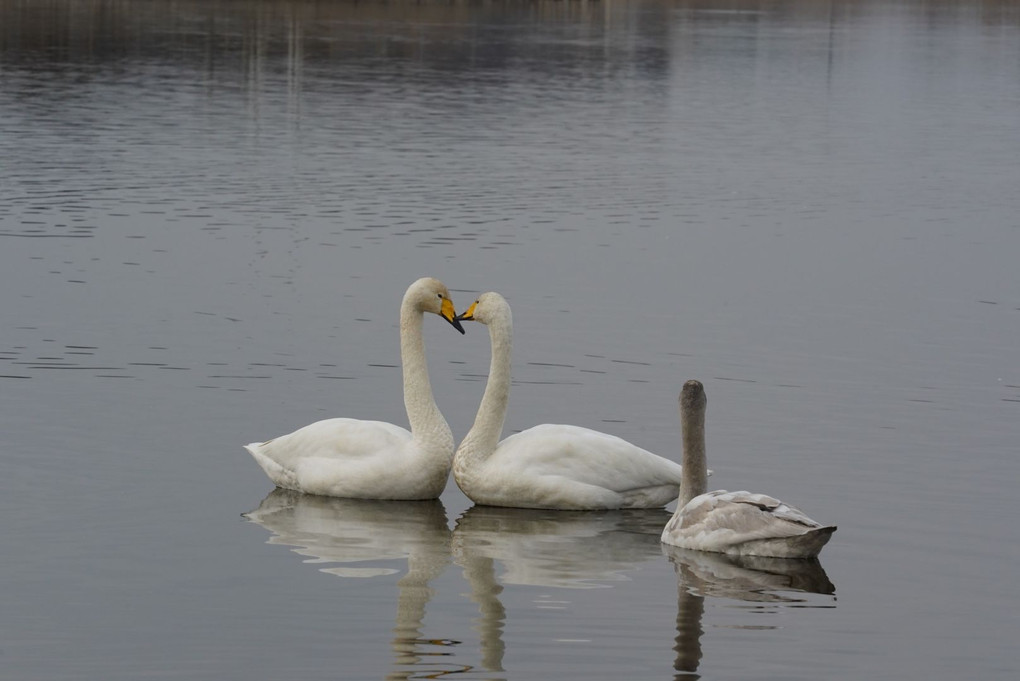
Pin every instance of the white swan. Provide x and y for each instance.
(735, 523)
(344, 457)
(549, 466)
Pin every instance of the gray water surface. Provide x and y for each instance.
(210, 210)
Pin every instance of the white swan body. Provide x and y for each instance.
(344, 457)
(735, 523)
(549, 466)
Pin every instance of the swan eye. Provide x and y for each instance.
(439, 295)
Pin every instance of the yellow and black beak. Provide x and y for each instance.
(468, 315)
(450, 314)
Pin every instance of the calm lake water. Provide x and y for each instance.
(210, 210)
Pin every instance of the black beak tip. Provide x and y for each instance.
(456, 324)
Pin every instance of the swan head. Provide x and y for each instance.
(692, 397)
(431, 295)
(489, 307)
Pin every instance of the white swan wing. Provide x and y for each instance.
(571, 468)
(586, 456)
(337, 457)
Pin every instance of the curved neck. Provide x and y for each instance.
(422, 412)
(483, 437)
(694, 478)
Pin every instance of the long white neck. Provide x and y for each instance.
(694, 479)
(483, 437)
(428, 426)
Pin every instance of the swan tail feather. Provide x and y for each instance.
(276, 473)
(807, 545)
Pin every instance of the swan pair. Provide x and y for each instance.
(548, 466)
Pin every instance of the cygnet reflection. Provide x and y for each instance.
(749, 578)
(776, 581)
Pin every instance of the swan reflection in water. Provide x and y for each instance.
(563, 549)
(755, 579)
(332, 531)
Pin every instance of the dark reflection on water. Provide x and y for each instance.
(209, 212)
(353, 67)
